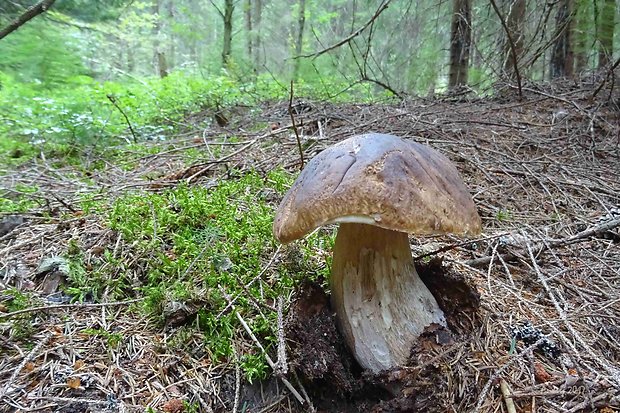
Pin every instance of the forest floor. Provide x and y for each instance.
(533, 304)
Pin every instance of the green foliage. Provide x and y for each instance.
(92, 10)
(18, 200)
(503, 215)
(20, 328)
(62, 121)
(16, 300)
(41, 54)
(113, 339)
(205, 245)
(81, 285)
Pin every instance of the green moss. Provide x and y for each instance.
(206, 245)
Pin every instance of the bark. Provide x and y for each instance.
(229, 7)
(562, 56)
(460, 43)
(171, 38)
(381, 303)
(160, 56)
(301, 22)
(29, 14)
(131, 59)
(247, 9)
(515, 26)
(606, 33)
(579, 36)
(256, 44)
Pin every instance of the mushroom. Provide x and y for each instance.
(378, 188)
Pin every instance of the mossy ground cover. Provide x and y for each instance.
(206, 246)
(188, 252)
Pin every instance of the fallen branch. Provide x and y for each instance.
(487, 387)
(116, 105)
(29, 357)
(456, 245)
(510, 404)
(608, 367)
(543, 246)
(610, 72)
(281, 362)
(273, 366)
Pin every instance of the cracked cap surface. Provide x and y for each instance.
(380, 180)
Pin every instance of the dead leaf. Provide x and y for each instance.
(173, 406)
(74, 382)
(541, 374)
(97, 250)
(607, 409)
(29, 366)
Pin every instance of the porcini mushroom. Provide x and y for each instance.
(378, 188)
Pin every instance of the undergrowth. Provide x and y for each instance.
(196, 248)
(62, 120)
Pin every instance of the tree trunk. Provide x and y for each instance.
(562, 55)
(301, 22)
(171, 39)
(131, 58)
(515, 27)
(256, 44)
(606, 32)
(229, 7)
(160, 56)
(460, 43)
(247, 9)
(580, 28)
(162, 64)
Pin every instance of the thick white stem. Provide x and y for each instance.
(381, 303)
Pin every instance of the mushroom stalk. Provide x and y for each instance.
(381, 304)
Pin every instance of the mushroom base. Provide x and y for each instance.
(381, 304)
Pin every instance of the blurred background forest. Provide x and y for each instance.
(81, 69)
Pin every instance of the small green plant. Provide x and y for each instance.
(21, 327)
(81, 285)
(21, 198)
(254, 367)
(16, 300)
(19, 205)
(503, 215)
(113, 339)
(191, 407)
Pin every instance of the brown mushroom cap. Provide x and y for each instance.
(381, 180)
